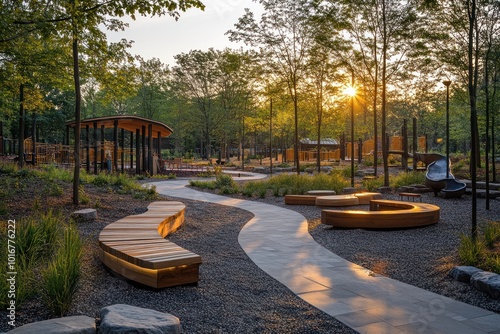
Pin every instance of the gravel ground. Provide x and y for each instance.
(232, 296)
(235, 296)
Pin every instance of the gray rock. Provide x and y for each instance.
(463, 273)
(84, 215)
(78, 324)
(121, 319)
(487, 282)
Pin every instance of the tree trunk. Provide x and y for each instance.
(473, 114)
(21, 126)
(76, 76)
(384, 102)
(296, 121)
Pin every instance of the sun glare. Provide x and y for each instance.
(350, 91)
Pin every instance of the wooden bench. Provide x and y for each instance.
(384, 214)
(134, 247)
(301, 199)
(413, 196)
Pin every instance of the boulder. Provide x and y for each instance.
(78, 324)
(121, 319)
(84, 215)
(463, 273)
(487, 282)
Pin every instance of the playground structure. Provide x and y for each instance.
(139, 149)
(397, 145)
(438, 176)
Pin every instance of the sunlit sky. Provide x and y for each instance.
(163, 37)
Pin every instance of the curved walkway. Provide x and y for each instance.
(277, 240)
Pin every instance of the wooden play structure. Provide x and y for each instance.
(134, 143)
(143, 152)
(135, 248)
(341, 150)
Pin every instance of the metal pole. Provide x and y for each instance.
(447, 84)
(352, 134)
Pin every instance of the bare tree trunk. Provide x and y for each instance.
(473, 114)
(384, 98)
(78, 98)
(21, 126)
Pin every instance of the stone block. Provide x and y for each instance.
(78, 324)
(487, 282)
(463, 273)
(121, 319)
(84, 215)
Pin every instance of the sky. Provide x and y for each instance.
(163, 37)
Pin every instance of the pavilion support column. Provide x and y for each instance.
(87, 148)
(150, 149)
(143, 153)
(137, 152)
(122, 156)
(131, 150)
(159, 148)
(103, 161)
(115, 146)
(67, 135)
(95, 147)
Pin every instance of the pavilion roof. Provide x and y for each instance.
(126, 122)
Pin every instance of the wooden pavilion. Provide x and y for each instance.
(145, 137)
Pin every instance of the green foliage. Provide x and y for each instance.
(346, 171)
(224, 180)
(84, 198)
(8, 168)
(373, 184)
(470, 250)
(491, 234)
(54, 189)
(482, 252)
(51, 173)
(36, 240)
(294, 184)
(406, 179)
(203, 184)
(60, 278)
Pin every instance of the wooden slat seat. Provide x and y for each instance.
(134, 247)
(300, 199)
(384, 214)
(337, 200)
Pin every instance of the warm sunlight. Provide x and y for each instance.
(350, 91)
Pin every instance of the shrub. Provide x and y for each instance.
(373, 184)
(491, 234)
(8, 168)
(294, 184)
(406, 179)
(225, 180)
(470, 250)
(52, 173)
(60, 278)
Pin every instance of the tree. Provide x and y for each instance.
(284, 37)
(80, 20)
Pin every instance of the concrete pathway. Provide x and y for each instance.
(277, 240)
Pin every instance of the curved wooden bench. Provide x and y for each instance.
(134, 247)
(300, 199)
(337, 200)
(365, 198)
(384, 214)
